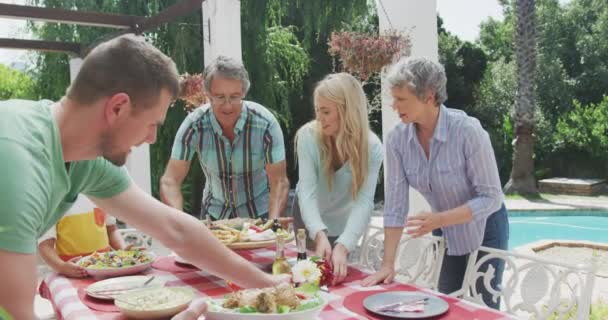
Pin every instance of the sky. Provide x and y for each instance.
(10, 28)
(460, 19)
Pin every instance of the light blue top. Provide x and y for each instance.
(461, 169)
(334, 210)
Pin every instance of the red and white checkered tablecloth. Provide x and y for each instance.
(63, 293)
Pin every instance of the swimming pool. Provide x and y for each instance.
(531, 226)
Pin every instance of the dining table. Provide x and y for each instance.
(345, 300)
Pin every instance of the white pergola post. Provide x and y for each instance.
(222, 29)
(419, 20)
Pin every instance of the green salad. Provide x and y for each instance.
(114, 259)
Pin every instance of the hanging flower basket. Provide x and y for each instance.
(365, 54)
(192, 91)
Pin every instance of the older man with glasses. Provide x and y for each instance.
(240, 148)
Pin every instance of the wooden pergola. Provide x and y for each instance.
(124, 24)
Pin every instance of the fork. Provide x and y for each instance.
(110, 291)
(393, 306)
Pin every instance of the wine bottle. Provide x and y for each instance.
(280, 264)
(301, 242)
(276, 225)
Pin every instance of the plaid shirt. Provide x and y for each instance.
(237, 184)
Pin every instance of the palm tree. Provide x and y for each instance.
(522, 173)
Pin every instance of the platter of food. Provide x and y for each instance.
(283, 302)
(155, 303)
(245, 233)
(116, 263)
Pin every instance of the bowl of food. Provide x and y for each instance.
(156, 303)
(116, 263)
(283, 302)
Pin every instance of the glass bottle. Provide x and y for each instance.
(276, 225)
(280, 264)
(301, 242)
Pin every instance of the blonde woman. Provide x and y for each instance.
(338, 159)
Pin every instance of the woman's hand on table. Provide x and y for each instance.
(339, 262)
(196, 309)
(386, 274)
(423, 223)
(71, 269)
(322, 246)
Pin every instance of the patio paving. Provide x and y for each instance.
(558, 202)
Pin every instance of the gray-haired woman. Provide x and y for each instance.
(447, 156)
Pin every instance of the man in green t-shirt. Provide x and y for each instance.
(51, 152)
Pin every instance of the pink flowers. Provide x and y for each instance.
(327, 273)
(192, 90)
(364, 53)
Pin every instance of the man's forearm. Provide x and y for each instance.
(392, 236)
(185, 235)
(171, 193)
(218, 259)
(279, 191)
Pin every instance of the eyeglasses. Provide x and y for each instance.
(223, 100)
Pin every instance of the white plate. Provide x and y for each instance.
(123, 271)
(298, 315)
(130, 303)
(435, 306)
(117, 285)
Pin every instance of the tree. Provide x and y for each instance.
(465, 64)
(522, 178)
(15, 84)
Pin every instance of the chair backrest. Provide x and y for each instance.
(136, 238)
(418, 259)
(532, 287)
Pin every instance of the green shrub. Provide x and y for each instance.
(584, 130)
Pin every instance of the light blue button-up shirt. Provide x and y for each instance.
(334, 209)
(461, 169)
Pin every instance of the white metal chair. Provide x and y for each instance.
(532, 287)
(418, 259)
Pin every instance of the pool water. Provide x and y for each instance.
(527, 227)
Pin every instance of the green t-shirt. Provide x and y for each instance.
(36, 189)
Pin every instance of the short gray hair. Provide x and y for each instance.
(228, 68)
(420, 75)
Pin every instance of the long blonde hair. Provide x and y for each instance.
(352, 140)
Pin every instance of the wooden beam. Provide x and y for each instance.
(52, 46)
(98, 19)
(181, 8)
